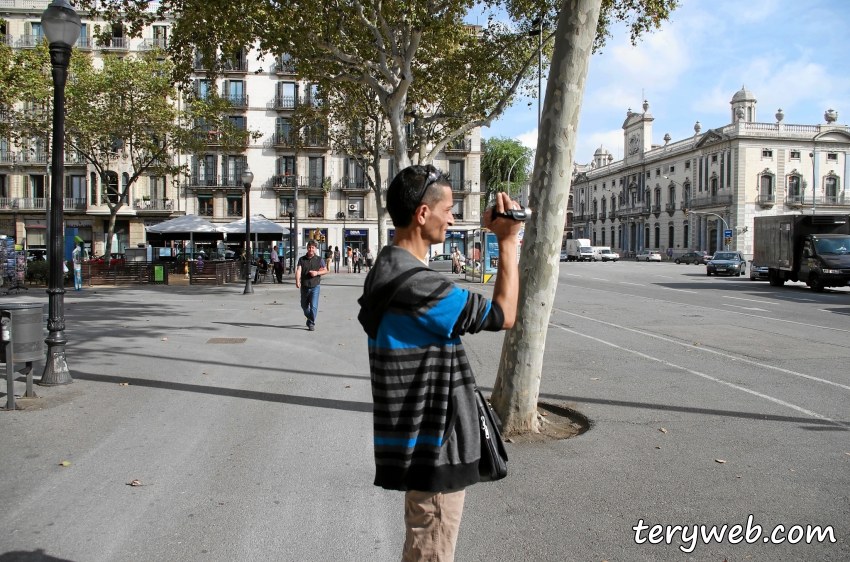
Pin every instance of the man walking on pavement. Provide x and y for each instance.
(276, 265)
(426, 435)
(308, 275)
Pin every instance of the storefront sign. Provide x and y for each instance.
(35, 223)
(356, 232)
(455, 235)
(78, 223)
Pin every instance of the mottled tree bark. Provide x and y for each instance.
(517, 385)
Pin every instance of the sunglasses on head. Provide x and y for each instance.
(433, 176)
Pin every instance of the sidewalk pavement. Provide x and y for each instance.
(262, 450)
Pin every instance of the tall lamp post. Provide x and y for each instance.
(62, 27)
(247, 179)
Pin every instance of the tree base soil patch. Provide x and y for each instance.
(557, 421)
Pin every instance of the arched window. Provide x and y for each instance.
(603, 237)
(595, 208)
(713, 186)
(604, 209)
(795, 191)
(671, 236)
(671, 196)
(646, 237)
(594, 237)
(658, 197)
(125, 180)
(613, 239)
(766, 187)
(111, 181)
(657, 236)
(830, 189)
(687, 195)
(93, 184)
(687, 237)
(582, 209)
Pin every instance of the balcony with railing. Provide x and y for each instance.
(236, 65)
(8, 203)
(283, 182)
(629, 212)
(153, 43)
(283, 103)
(656, 209)
(84, 43)
(236, 101)
(233, 212)
(461, 186)
(73, 158)
(112, 199)
(205, 211)
(29, 41)
(74, 204)
(351, 184)
(33, 157)
(720, 200)
(8, 157)
(213, 181)
(115, 44)
(153, 205)
(612, 214)
(459, 146)
(825, 200)
(284, 66)
(670, 208)
(766, 200)
(7, 40)
(32, 203)
(316, 139)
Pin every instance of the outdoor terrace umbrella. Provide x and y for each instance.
(261, 229)
(187, 227)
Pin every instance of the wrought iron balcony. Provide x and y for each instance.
(461, 186)
(153, 204)
(7, 40)
(282, 139)
(233, 213)
(283, 181)
(670, 208)
(459, 145)
(8, 203)
(236, 101)
(349, 184)
(316, 140)
(7, 157)
(75, 158)
(115, 44)
(284, 66)
(236, 65)
(153, 43)
(612, 214)
(827, 200)
(711, 201)
(766, 199)
(212, 180)
(84, 43)
(283, 103)
(75, 204)
(111, 199)
(284, 212)
(656, 208)
(205, 211)
(29, 41)
(33, 157)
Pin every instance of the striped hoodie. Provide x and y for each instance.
(424, 416)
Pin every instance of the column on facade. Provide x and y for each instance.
(815, 174)
(706, 243)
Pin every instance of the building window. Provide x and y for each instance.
(766, 187)
(657, 236)
(713, 158)
(316, 207)
(156, 187)
(713, 186)
(687, 165)
(648, 175)
(672, 169)
(93, 187)
(287, 205)
(603, 236)
(316, 171)
(657, 172)
(4, 187)
(671, 196)
(832, 156)
(687, 235)
(830, 189)
(205, 205)
(794, 192)
(765, 153)
(794, 155)
(671, 236)
(234, 205)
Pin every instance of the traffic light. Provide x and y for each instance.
(687, 211)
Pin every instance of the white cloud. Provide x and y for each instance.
(529, 139)
(588, 143)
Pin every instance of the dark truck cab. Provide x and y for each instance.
(814, 249)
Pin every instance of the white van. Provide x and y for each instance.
(579, 249)
(604, 253)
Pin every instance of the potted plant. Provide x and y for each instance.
(326, 184)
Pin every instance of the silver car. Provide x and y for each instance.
(441, 262)
(758, 271)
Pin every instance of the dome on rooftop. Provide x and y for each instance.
(743, 95)
(601, 151)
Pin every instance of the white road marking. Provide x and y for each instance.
(804, 300)
(705, 349)
(636, 284)
(598, 279)
(681, 290)
(834, 311)
(573, 275)
(707, 377)
(721, 310)
(745, 307)
(751, 300)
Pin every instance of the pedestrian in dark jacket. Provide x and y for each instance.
(426, 435)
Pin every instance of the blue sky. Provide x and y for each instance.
(790, 54)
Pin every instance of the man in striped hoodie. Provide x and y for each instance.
(427, 440)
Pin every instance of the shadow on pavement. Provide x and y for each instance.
(37, 555)
(347, 405)
(250, 325)
(821, 425)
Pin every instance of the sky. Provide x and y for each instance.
(791, 54)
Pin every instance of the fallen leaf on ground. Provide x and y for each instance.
(64, 463)
(848, 454)
(347, 386)
(721, 461)
(792, 470)
(657, 447)
(255, 309)
(544, 413)
(509, 440)
(125, 326)
(136, 482)
(737, 476)
(206, 373)
(164, 339)
(123, 384)
(342, 344)
(662, 430)
(594, 378)
(696, 343)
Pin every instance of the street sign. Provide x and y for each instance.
(727, 234)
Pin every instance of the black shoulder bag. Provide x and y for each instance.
(494, 458)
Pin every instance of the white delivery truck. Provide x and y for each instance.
(579, 249)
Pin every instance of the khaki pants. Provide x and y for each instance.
(432, 520)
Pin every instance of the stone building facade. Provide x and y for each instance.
(263, 94)
(683, 195)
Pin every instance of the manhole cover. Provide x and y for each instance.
(227, 340)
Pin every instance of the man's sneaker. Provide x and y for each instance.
(311, 328)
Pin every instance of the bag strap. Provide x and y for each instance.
(388, 292)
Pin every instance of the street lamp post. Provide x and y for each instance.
(537, 27)
(247, 179)
(511, 170)
(814, 181)
(61, 26)
(341, 216)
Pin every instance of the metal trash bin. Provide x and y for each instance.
(21, 341)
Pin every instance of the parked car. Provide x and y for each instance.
(758, 271)
(697, 258)
(441, 262)
(115, 259)
(37, 255)
(649, 255)
(563, 255)
(727, 263)
(606, 254)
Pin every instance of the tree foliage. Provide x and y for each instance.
(26, 97)
(505, 166)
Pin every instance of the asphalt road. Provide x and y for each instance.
(262, 450)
